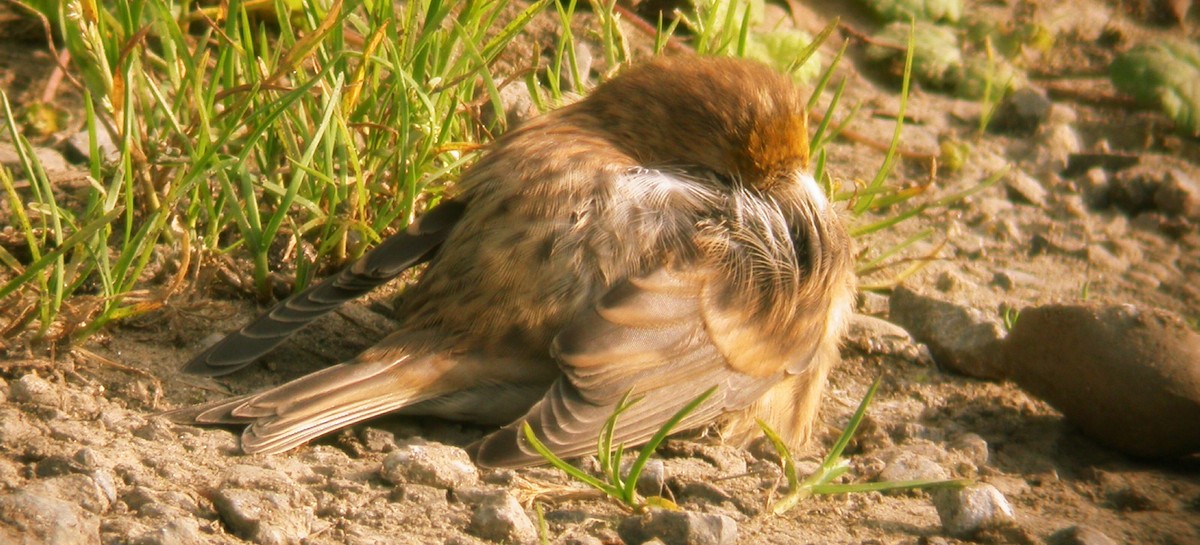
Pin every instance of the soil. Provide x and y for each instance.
(79, 430)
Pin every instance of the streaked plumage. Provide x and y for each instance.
(659, 237)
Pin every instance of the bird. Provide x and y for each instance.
(660, 237)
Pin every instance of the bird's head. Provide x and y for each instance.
(735, 118)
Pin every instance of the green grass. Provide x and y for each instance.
(616, 484)
(295, 134)
(821, 481)
(315, 126)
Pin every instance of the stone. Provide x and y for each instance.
(33, 519)
(959, 337)
(967, 511)
(1128, 377)
(678, 528)
(500, 518)
(265, 506)
(418, 461)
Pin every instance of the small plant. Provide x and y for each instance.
(821, 482)
(623, 489)
(1010, 315)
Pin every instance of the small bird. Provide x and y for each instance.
(657, 238)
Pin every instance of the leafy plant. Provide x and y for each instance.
(1166, 75)
(621, 488)
(820, 482)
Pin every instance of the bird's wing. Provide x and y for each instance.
(407, 370)
(665, 338)
(385, 262)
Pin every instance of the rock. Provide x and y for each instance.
(966, 511)
(961, 338)
(265, 506)
(1057, 141)
(1178, 194)
(419, 461)
(1007, 279)
(31, 519)
(1025, 188)
(678, 528)
(871, 335)
(1024, 110)
(650, 480)
(909, 466)
(1127, 377)
(500, 518)
(974, 447)
(35, 390)
(1094, 186)
(174, 531)
(79, 144)
(1080, 535)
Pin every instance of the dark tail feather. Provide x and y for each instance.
(392, 257)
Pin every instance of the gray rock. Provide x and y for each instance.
(500, 518)
(1128, 377)
(974, 447)
(265, 506)
(1178, 194)
(872, 335)
(909, 466)
(1057, 141)
(433, 464)
(678, 528)
(1081, 534)
(1024, 110)
(1024, 187)
(31, 519)
(966, 511)
(1009, 279)
(961, 338)
(33, 389)
(650, 480)
(79, 143)
(173, 531)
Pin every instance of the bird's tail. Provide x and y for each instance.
(296, 412)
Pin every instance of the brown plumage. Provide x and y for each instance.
(659, 237)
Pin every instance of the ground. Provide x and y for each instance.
(80, 438)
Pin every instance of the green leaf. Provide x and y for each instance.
(781, 48)
(1165, 75)
(937, 57)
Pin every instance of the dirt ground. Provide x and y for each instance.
(80, 442)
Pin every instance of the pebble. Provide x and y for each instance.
(1025, 188)
(1128, 377)
(1008, 279)
(1178, 194)
(499, 517)
(33, 389)
(966, 511)
(265, 506)
(418, 461)
(961, 338)
(908, 466)
(33, 519)
(678, 528)
(1081, 534)
(651, 479)
(871, 335)
(974, 447)
(1024, 110)
(174, 531)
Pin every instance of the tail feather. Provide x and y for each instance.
(336, 397)
(392, 257)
